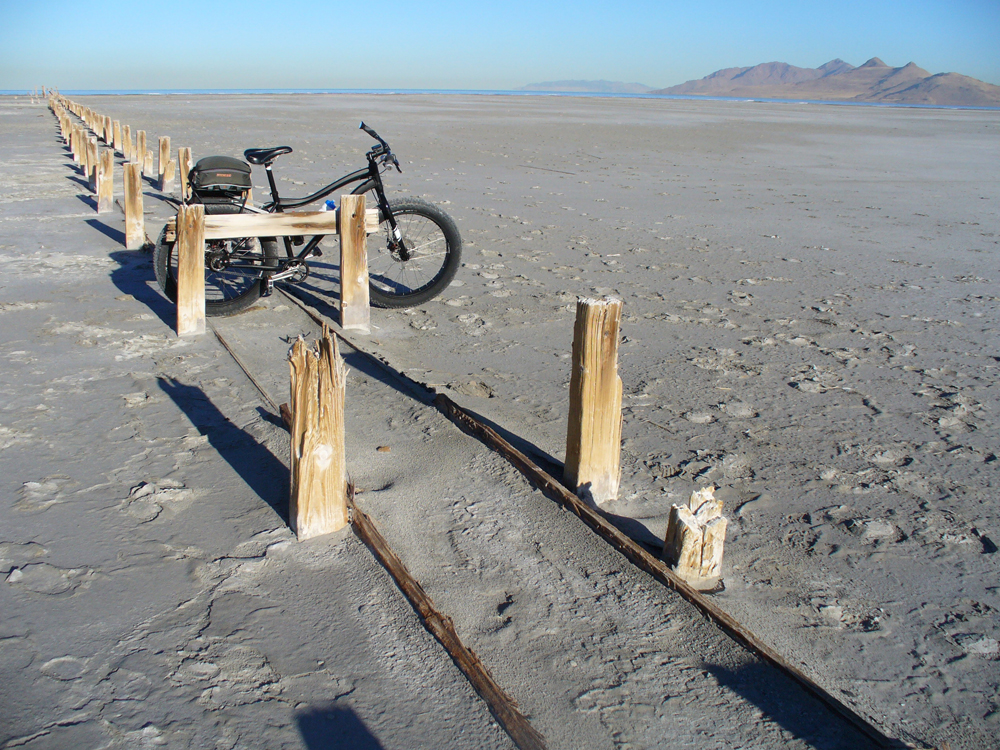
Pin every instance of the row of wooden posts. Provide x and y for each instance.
(84, 136)
(192, 228)
(319, 491)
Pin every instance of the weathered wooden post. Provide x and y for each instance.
(93, 161)
(696, 534)
(105, 182)
(191, 270)
(184, 164)
(140, 149)
(355, 313)
(127, 147)
(318, 492)
(116, 129)
(593, 437)
(74, 143)
(164, 157)
(135, 229)
(167, 181)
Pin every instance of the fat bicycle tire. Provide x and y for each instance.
(432, 238)
(227, 291)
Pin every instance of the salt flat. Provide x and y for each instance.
(810, 325)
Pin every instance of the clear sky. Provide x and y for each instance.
(444, 44)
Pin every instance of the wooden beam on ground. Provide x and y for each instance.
(593, 436)
(501, 705)
(355, 310)
(105, 182)
(135, 229)
(191, 270)
(318, 490)
(644, 560)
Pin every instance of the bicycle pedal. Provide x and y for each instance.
(267, 286)
(317, 253)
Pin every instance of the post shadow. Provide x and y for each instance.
(799, 713)
(257, 466)
(134, 276)
(334, 727)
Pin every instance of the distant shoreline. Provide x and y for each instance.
(483, 92)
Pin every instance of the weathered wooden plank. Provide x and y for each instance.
(288, 224)
(191, 270)
(593, 435)
(355, 311)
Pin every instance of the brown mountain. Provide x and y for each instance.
(837, 80)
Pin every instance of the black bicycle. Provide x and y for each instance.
(411, 259)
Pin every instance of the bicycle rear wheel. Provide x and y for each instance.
(228, 290)
(435, 249)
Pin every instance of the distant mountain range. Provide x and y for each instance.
(835, 81)
(839, 81)
(589, 87)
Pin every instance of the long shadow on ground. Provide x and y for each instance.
(257, 466)
(335, 728)
(786, 703)
(134, 276)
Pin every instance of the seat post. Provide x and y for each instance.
(274, 186)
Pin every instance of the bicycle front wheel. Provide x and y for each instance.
(233, 271)
(435, 253)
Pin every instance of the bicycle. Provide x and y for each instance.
(411, 259)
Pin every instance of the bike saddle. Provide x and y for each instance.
(265, 155)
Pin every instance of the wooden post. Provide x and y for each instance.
(105, 182)
(73, 143)
(127, 144)
(116, 134)
(694, 541)
(593, 437)
(167, 180)
(184, 165)
(147, 162)
(191, 270)
(355, 313)
(93, 161)
(140, 149)
(164, 157)
(135, 229)
(318, 493)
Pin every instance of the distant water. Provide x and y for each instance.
(472, 92)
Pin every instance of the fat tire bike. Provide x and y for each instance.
(412, 257)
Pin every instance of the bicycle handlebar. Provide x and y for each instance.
(382, 149)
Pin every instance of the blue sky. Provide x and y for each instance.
(118, 44)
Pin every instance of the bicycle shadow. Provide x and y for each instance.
(263, 472)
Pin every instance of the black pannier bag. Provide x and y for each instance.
(220, 179)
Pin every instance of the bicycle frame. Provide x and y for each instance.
(368, 179)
